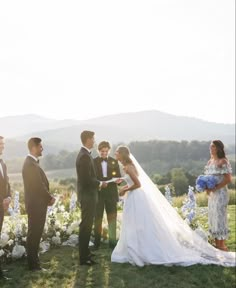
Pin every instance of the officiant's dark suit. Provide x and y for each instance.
(87, 187)
(5, 192)
(106, 169)
(37, 199)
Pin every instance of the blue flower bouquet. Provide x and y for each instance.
(204, 182)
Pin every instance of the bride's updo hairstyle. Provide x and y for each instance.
(125, 154)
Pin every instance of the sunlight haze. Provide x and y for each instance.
(84, 59)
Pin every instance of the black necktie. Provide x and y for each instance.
(103, 159)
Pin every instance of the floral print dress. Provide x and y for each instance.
(217, 202)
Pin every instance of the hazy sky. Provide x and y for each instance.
(83, 59)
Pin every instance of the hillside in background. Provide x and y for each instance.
(15, 126)
(119, 128)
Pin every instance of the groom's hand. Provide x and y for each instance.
(119, 181)
(103, 185)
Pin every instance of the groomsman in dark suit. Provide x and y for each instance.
(5, 193)
(106, 169)
(37, 200)
(87, 187)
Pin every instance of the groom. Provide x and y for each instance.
(87, 186)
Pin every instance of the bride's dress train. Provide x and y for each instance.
(152, 232)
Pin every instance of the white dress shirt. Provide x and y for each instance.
(104, 168)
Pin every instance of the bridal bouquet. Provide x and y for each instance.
(204, 182)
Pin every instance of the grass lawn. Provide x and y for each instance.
(64, 271)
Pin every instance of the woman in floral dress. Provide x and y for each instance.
(218, 199)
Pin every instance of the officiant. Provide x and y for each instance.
(106, 168)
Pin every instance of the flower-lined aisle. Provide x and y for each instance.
(61, 228)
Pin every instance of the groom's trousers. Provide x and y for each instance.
(88, 205)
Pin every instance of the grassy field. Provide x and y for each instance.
(65, 272)
(202, 199)
(53, 174)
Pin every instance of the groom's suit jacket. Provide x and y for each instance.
(87, 182)
(36, 186)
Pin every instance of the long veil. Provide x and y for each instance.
(185, 245)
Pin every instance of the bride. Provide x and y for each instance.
(152, 231)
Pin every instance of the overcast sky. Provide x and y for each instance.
(83, 59)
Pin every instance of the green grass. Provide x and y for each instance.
(202, 199)
(65, 272)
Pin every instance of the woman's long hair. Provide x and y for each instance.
(219, 149)
(125, 154)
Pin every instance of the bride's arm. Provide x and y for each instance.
(131, 171)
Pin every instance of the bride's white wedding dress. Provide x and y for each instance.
(152, 232)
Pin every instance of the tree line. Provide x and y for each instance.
(163, 161)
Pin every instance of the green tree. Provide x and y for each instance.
(179, 181)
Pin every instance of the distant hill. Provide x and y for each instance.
(119, 128)
(14, 126)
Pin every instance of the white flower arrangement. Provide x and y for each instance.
(18, 251)
(62, 228)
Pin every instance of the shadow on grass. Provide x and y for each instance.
(64, 271)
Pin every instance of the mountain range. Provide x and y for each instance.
(118, 128)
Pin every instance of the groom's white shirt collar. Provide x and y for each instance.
(35, 158)
(87, 149)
